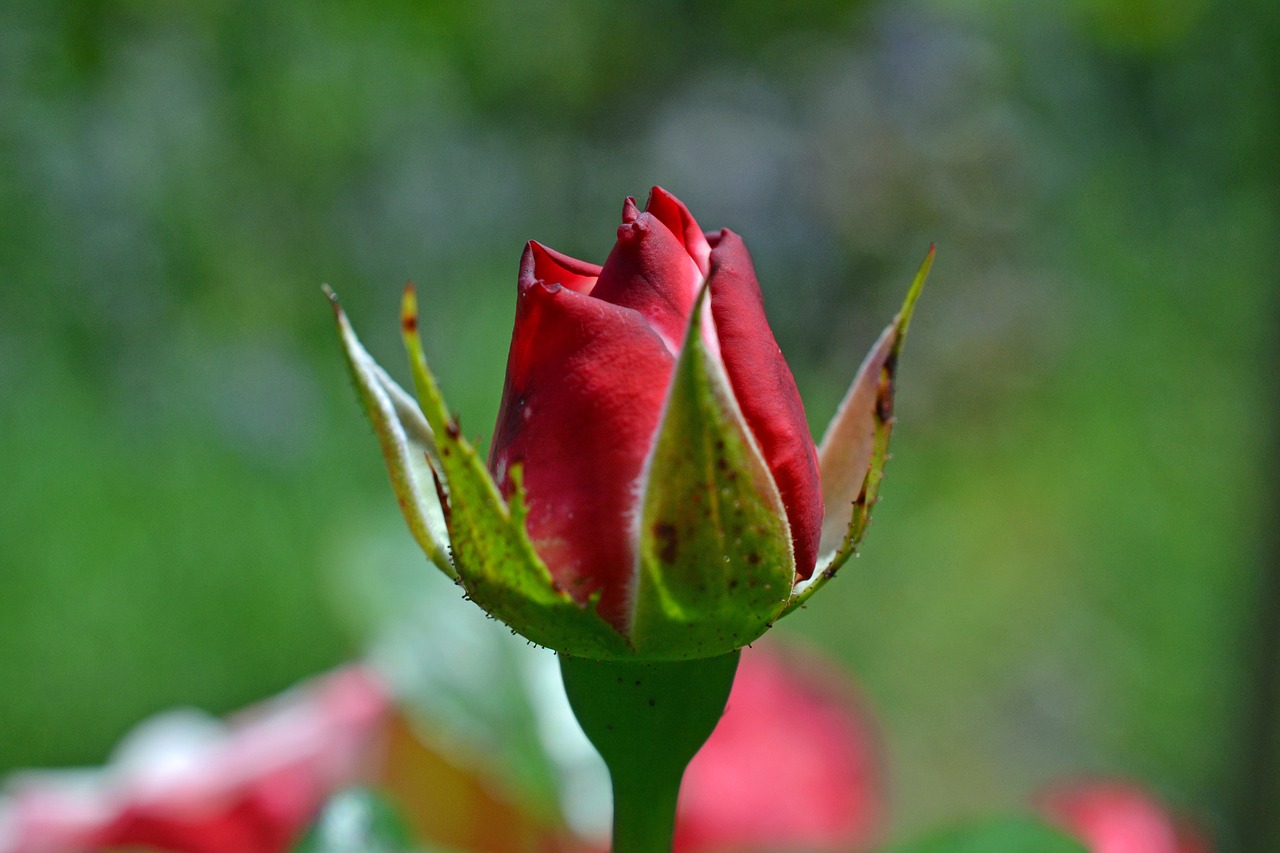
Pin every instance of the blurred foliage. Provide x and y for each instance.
(997, 836)
(356, 820)
(1063, 578)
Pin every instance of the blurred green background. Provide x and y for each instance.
(1068, 574)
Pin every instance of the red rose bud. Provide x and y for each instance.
(658, 493)
(592, 358)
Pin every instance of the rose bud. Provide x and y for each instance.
(655, 491)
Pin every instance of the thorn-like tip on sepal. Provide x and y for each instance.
(339, 316)
(409, 310)
(909, 304)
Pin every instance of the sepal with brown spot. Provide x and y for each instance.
(855, 447)
(716, 562)
(406, 440)
(455, 511)
(495, 560)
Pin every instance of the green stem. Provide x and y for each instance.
(644, 812)
(647, 720)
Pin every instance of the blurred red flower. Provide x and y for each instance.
(793, 764)
(1120, 817)
(185, 782)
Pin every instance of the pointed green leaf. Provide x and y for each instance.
(716, 561)
(495, 560)
(855, 446)
(998, 835)
(406, 442)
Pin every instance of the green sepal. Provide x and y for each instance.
(715, 555)
(996, 835)
(406, 440)
(858, 439)
(495, 561)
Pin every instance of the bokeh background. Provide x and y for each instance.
(1072, 572)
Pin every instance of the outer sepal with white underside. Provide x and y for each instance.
(855, 448)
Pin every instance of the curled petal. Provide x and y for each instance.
(548, 266)
(766, 392)
(672, 213)
(585, 385)
(650, 271)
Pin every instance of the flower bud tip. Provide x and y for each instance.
(630, 213)
(409, 310)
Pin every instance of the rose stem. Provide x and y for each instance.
(647, 720)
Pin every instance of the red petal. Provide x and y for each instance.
(672, 213)
(650, 271)
(766, 392)
(586, 382)
(551, 267)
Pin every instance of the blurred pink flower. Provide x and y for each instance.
(185, 782)
(792, 765)
(1119, 817)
